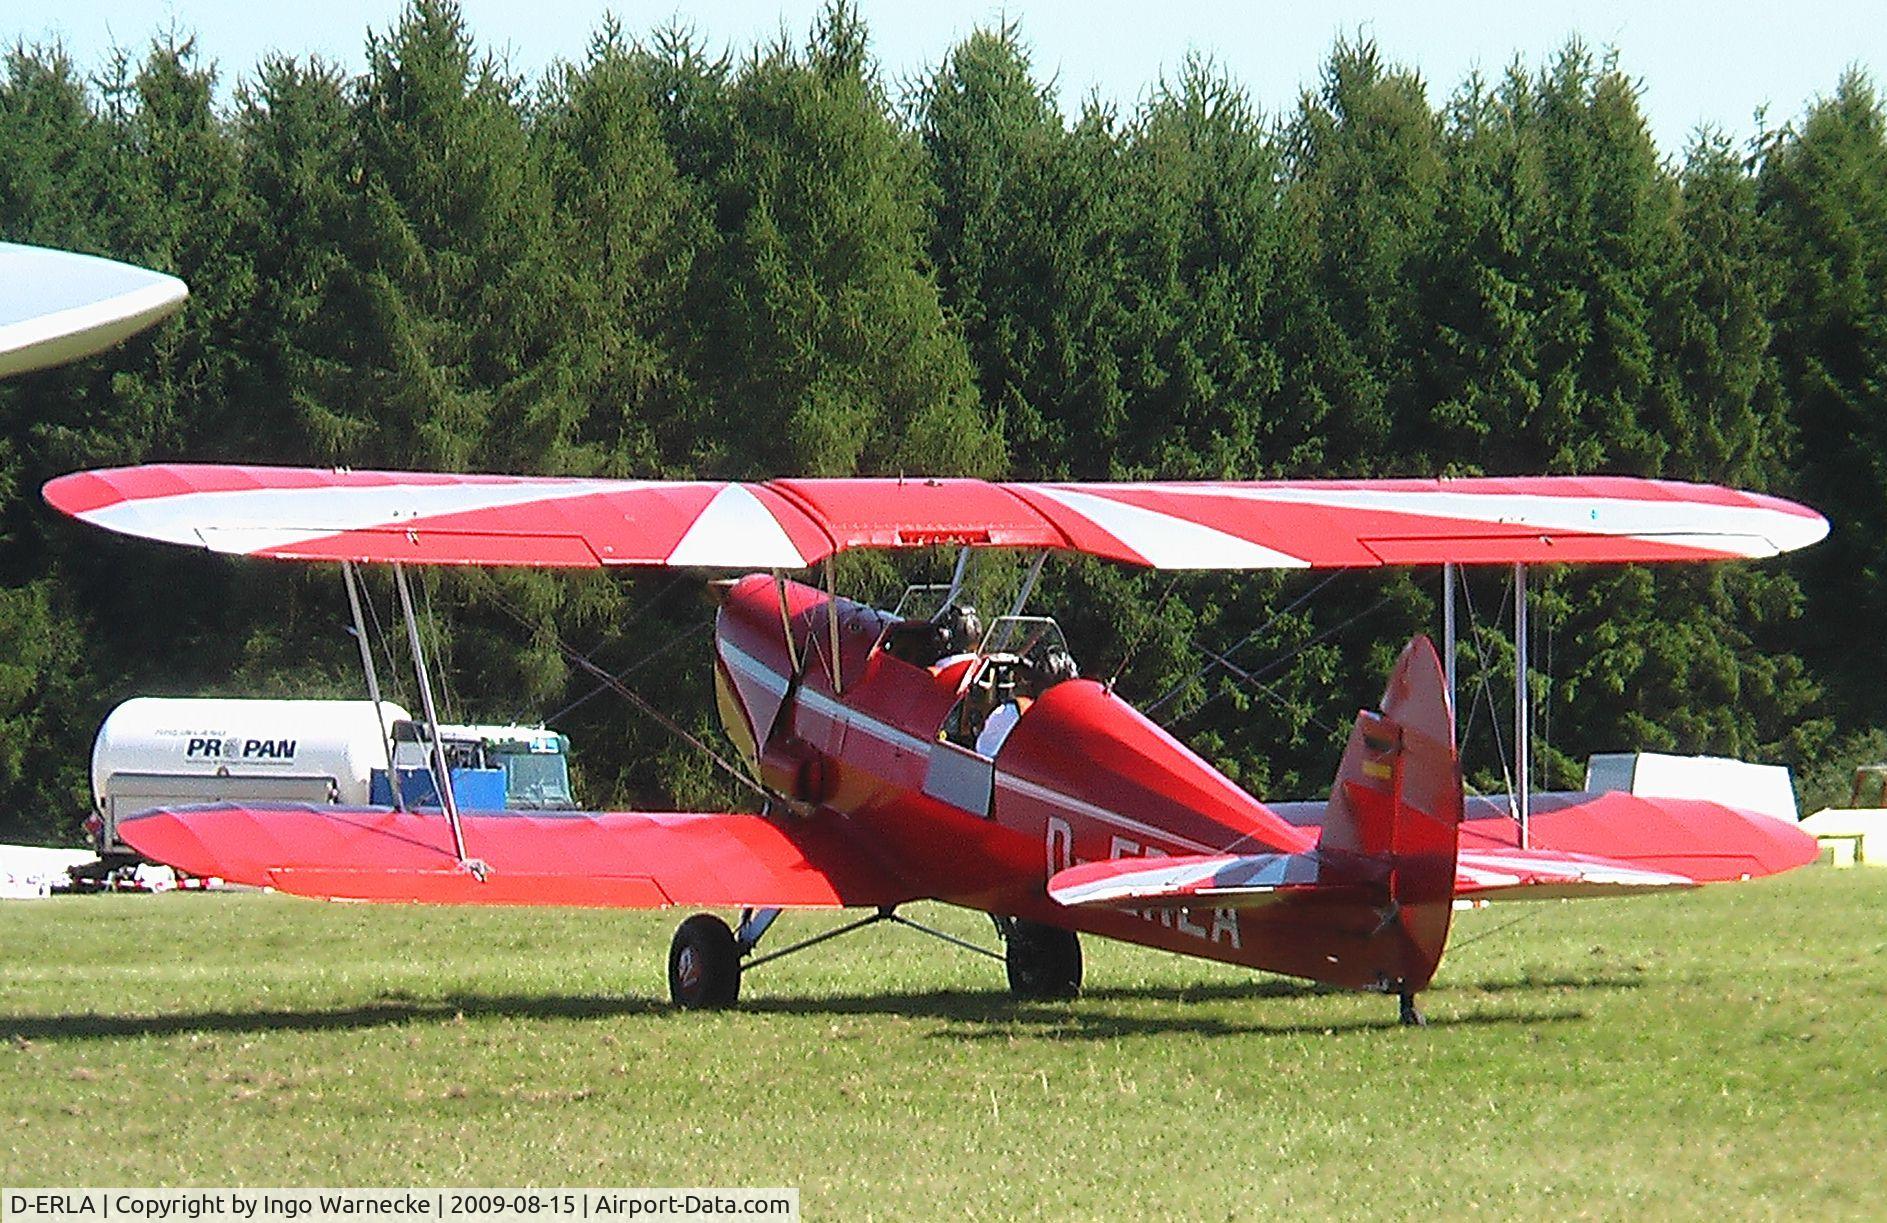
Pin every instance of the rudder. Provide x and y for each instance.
(1394, 815)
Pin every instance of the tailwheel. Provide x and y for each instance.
(703, 964)
(1043, 961)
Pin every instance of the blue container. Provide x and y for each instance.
(476, 789)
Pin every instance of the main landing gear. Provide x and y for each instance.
(706, 959)
(1411, 1017)
(704, 965)
(1043, 961)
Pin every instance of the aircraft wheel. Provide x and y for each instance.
(703, 965)
(1043, 961)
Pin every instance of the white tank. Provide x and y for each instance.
(162, 751)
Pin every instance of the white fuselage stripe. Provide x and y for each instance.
(1055, 798)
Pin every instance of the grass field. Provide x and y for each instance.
(1717, 1053)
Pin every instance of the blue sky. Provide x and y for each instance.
(1700, 63)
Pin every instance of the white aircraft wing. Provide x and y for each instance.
(56, 306)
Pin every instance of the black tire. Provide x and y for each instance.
(703, 965)
(1043, 961)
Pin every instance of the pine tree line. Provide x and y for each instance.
(661, 261)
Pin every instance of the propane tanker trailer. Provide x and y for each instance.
(164, 751)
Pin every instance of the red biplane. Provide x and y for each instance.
(909, 757)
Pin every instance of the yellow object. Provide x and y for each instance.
(1856, 836)
(1843, 851)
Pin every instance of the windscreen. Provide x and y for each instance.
(537, 781)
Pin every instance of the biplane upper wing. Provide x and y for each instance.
(432, 518)
(631, 860)
(57, 306)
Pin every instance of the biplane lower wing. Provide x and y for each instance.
(1705, 842)
(628, 860)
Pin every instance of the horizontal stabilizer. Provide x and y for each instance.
(1220, 881)
(1231, 881)
(631, 860)
(1543, 874)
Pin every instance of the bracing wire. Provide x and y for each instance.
(636, 617)
(1531, 912)
(623, 690)
(1263, 688)
(1240, 644)
(622, 630)
(1146, 626)
(1256, 678)
(1487, 692)
(1322, 637)
(438, 646)
(373, 617)
(1546, 704)
(625, 672)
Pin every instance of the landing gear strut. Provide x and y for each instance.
(706, 960)
(1411, 1017)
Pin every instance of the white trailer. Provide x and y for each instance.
(1763, 788)
(162, 751)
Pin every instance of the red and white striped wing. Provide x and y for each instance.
(312, 514)
(428, 518)
(1361, 523)
(1545, 874)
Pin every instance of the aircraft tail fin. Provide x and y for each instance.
(1369, 906)
(1394, 813)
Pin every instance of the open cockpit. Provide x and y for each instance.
(994, 674)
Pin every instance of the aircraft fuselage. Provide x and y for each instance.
(1083, 776)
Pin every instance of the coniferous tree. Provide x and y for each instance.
(1203, 238)
(1824, 194)
(1366, 170)
(448, 240)
(628, 231)
(295, 128)
(1019, 262)
(670, 262)
(835, 354)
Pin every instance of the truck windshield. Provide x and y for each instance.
(537, 781)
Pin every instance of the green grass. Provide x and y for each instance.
(1717, 1053)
